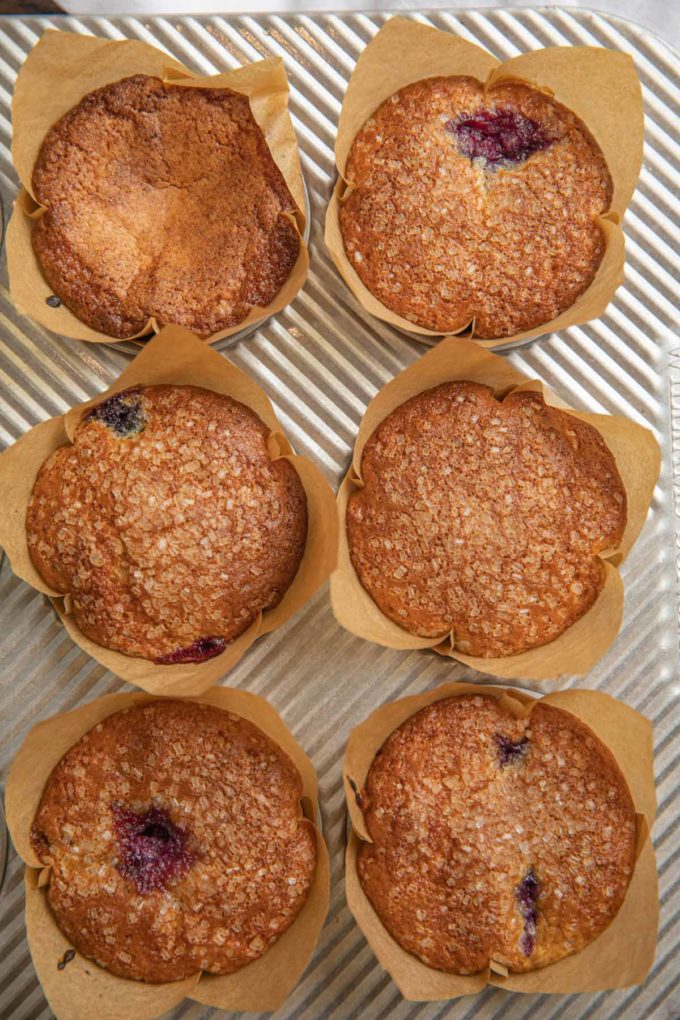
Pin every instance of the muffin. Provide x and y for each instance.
(483, 518)
(162, 202)
(495, 838)
(167, 523)
(467, 206)
(176, 842)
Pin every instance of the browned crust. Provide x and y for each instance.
(454, 833)
(186, 531)
(441, 241)
(162, 202)
(484, 518)
(225, 782)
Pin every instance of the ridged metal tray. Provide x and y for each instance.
(321, 360)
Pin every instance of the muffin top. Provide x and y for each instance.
(176, 840)
(495, 838)
(162, 202)
(468, 205)
(167, 522)
(482, 518)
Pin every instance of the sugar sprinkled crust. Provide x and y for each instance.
(164, 202)
(484, 518)
(232, 792)
(442, 239)
(168, 522)
(479, 854)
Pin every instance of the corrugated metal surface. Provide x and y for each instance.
(322, 360)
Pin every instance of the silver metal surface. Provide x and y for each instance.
(322, 359)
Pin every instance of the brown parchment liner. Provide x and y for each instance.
(599, 85)
(578, 648)
(174, 356)
(58, 72)
(83, 990)
(623, 954)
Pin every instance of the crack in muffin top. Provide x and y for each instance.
(476, 859)
(162, 202)
(484, 518)
(176, 840)
(168, 522)
(466, 204)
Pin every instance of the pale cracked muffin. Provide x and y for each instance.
(162, 202)
(495, 838)
(167, 522)
(482, 518)
(470, 206)
(176, 842)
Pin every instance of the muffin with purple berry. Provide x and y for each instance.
(467, 205)
(495, 837)
(176, 842)
(168, 523)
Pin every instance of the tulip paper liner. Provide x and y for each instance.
(599, 85)
(59, 71)
(174, 356)
(82, 990)
(579, 647)
(623, 954)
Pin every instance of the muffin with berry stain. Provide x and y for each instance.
(168, 523)
(495, 838)
(469, 206)
(176, 842)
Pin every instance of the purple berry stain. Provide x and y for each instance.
(498, 136)
(526, 894)
(200, 651)
(152, 849)
(510, 751)
(122, 413)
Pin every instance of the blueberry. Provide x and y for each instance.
(122, 413)
(510, 751)
(200, 651)
(53, 301)
(499, 136)
(152, 849)
(526, 894)
(69, 955)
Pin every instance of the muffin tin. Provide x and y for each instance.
(322, 360)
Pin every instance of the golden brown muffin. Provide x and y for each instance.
(494, 837)
(465, 206)
(483, 518)
(162, 201)
(167, 522)
(176, 840)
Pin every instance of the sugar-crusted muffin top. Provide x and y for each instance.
(495, 838)
(483, 518)
(466, 204)
(162, 202)
(176, 842)
(168, 522)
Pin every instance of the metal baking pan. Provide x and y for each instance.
(321, 360)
